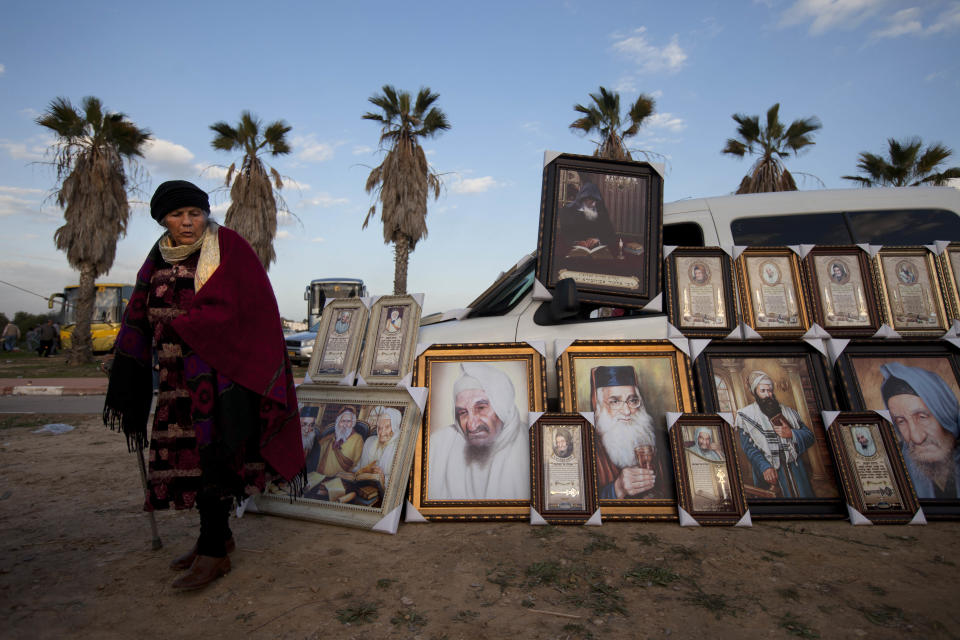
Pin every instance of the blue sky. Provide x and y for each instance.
(508, 75)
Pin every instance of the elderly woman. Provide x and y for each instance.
(226, 419)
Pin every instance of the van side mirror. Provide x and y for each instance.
(566, 300)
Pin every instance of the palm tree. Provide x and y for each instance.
(404, 179)
(908, 164)
(253, 206)
(89, 153)
(603, 116)
(772, 143)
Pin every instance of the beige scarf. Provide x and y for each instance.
(209, 247)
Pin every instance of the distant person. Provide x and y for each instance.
(226, 421)
(47, 335)
(11, 334)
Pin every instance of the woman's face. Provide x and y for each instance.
(186, 224)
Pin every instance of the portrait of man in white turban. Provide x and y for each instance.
(485, 452)
(774, 437)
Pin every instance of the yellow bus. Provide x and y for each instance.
(109, 304)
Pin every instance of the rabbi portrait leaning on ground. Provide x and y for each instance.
(226, 420)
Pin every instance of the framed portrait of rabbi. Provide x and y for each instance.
(629, 386)
(600, 224)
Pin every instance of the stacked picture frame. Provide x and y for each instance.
(359, 416)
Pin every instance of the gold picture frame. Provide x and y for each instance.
(842, 291)
(390, 340)
(912, 301)
(949, 263)
(358, 446)
(633, 482)
(701, 299)
(706, 469)
(336, 351)
(472, 457)
(772, 299)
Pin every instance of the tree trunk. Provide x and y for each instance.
(401, 258)
(81, 352)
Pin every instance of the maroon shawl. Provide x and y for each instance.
(234, 326)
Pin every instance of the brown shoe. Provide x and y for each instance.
(184, 562)
(203, 571)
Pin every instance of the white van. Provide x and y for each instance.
(507, 311)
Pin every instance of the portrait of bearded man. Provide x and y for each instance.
(774, 437)
(926, 417)
(626, 431)
(585, 223)
(485, 452)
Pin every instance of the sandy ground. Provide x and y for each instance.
(77, 562)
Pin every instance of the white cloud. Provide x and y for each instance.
(324, 200)
(290, 184)
(362, 149)
(169, 158)
(825, 15)
(19, 190)
(626, 84)
(2, 69)
(212, 172)
(283, 234)
(936, 75)
(29, 112)
(473, 185)
(666, 121)
(909, 22)
(31, 151)
(308, 149)
(318, 239)
(650, 59)
(220, 209)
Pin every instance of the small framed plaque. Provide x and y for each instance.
(601, 225)
(950, 277)
(700, 298)
(336, 351)
(871, 468)
(562, 476)
(912, 302)
(842, 291)
(390, 340)
(771, 295)
(706, 470)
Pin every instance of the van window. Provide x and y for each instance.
(894, 226)
(920, 226)
(683, 234)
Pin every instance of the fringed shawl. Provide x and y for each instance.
(234, 326)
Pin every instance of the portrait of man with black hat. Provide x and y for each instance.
(630, 456)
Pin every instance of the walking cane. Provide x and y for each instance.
(143, 480)
(156, 542)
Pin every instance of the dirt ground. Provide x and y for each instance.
(77, 562)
